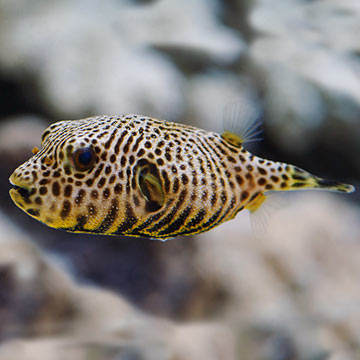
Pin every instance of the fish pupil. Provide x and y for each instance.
(85, 158)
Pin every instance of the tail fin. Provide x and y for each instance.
(277, 176)
(284, 177)
(301, 179)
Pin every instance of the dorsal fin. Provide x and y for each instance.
(35, 150)
(241, 122)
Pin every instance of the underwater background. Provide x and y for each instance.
(293, 294)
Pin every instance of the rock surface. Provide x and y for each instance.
(291, 294)
(44, 314)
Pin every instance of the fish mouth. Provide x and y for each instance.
(21, 190)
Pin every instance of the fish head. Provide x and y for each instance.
(71, 179)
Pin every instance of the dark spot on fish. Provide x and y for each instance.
(166, 180)
(213, 199)
(108, 169)
(33, 212)
(79, 197)
(298, 177)
(141, 152)
(106, 193)
(328, 183)
(118, 188)
(55, 188)
(298, 184)
(184, 179)
(65, 209)
(68, 190)
(67, 169)
(223, 197)
(231, 159)
(176, 185)
(81, 221)
(244, 195)
(239, 179)
(101, 182)
(262, 171)
(254, 196)
(94, 194)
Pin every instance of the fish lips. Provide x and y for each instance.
(20, 190)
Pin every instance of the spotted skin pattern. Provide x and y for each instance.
(205, 179)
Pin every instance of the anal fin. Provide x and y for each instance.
(262, 208)
(256, 203)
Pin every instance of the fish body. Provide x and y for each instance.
(139, 176)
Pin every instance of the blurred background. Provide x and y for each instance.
(294, 293)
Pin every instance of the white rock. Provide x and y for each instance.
(97, 57)
(300, 278)
(312, 47)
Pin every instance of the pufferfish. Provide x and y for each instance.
(139, 176)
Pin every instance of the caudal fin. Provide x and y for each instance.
(334, 185)
(301, 179)
(284, 177)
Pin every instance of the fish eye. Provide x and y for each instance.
(84, 158)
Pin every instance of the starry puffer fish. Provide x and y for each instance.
(139, 176)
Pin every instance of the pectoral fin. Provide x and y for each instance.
(151, 188)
